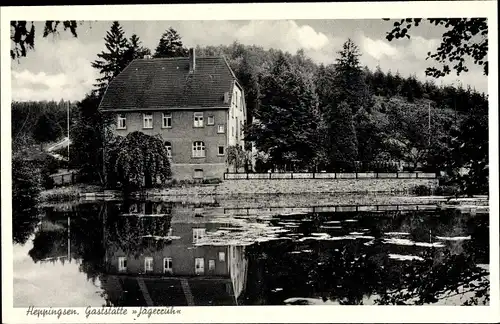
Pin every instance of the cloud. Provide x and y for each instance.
(279, 34)
(283, 34)
(27, 85)
(379, 49)
(419, 47)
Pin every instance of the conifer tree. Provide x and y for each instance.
(378, 82)
(111, 62)
(349, 85)
(342, 149)
(170, 45)
(135, 50)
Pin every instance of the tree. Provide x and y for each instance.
(26, 188)
(410, 137)
(138, 161)
(378, 82)
(135, 50)
(286, 119)
(348, 81)
(45, 129)
(469, 153)
(342, 145)
(370, 134)
(22, 34)
(89, 135)
(111, 62)
(463, 38)
(236, 157)
(170, 45)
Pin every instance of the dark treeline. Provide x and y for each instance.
(345, 117)
(314, 117)
(40, 121)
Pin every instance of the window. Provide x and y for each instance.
(148, 264)
(170, 231)
(220, 129)
(168, 146)
(211, 120)
(221, 150)
(122, 122)
(198, 174)
(198, 234)
(133, 209)
(241, 128)
(199, 266)
(222, 256)
(211, 265)
(166, 120)
(198, 119)
(167, 265)
(198, 149)
(237, 131)
(122, 264)
(232, 131)
(147, 119)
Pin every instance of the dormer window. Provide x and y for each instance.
(147, 119)
(226, 97)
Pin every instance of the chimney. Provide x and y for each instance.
(192, 60)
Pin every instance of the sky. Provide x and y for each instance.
(59, 67)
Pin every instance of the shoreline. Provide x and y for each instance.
(82, 194)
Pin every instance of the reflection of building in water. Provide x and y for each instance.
(151, 249)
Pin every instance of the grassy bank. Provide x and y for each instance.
(68, 193)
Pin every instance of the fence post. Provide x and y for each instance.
(376, 177)
(356, 174)
(291, 175)
(270, 175)
(247, 175)
(314, 175)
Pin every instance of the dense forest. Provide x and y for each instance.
(41, 121)
(303, 115)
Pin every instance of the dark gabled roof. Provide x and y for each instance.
(167, 83)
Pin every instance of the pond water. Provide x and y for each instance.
(156, 253)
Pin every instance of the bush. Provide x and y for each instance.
(447, 190)
(421, 190)
(212, 181)
(47, 181)
(377, 166)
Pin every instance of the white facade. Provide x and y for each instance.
(236, 118)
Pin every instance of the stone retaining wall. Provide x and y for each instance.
(291, 186)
